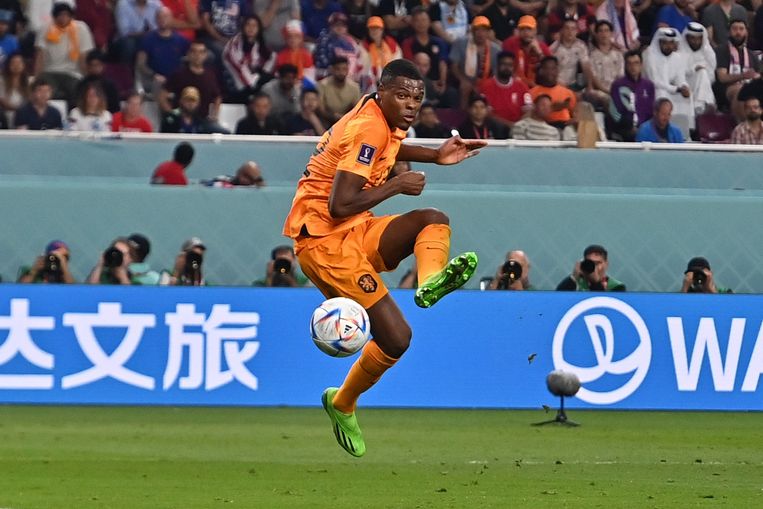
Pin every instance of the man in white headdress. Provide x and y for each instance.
(666, 67)
(700, 66)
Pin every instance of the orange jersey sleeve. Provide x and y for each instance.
(362, 143)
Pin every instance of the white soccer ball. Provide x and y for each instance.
(340, 327)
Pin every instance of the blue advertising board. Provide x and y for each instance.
(251, 346)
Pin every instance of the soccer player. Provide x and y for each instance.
(342, 247)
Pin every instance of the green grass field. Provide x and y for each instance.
(152, 457)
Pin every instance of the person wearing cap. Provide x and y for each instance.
(450, 20)
(9, 43)
(248, 63)
(666, 67)
(590, 273)
(259, 119)
(193, 74)
(61, 50)
(698, 278)
(187, 270)
(160, 53)
(381, 48)
(140, 271)
(186, 118)
(295, 52)
(337, 43)
(337, 93)
(473, 58)
(527, 49)
(316, 14)
(563, 99)
(276, 15)
(50, 267)
(172, 173)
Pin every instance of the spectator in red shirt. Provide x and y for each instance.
(172, 173)
(508, 97)
(131, 119)
(527, 49)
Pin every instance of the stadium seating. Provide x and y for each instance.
(715, 127)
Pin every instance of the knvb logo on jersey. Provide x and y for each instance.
(618, 345)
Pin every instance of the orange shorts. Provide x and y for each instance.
(347, 263)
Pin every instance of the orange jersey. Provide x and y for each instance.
(362, 143)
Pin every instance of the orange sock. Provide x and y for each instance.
(431, 250)
(366, 371)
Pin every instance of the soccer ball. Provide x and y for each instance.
(340, 327)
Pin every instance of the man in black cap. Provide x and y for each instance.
(140, 271)
(698, 278)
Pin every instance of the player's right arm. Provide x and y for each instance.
(349, 198)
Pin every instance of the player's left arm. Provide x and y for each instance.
(452, 151)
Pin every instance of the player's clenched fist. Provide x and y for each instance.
(411, 182)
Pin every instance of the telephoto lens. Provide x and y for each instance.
(112, 258)
(282, 266)
(587, 266)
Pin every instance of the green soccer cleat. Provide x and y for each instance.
(453, 276)
(346, 429)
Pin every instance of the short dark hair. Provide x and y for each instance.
(549, 58)
(183, 153)
(476, 98)
(595, 249)
(633, 53)
(60, 7)
(399, 68)
(287, 69)
(133, 93)
(339, 60)
(306, 91)
(258, 95)
(280, 249)
(602, 22)
(419, 9)
(660, 102)
(738, 20)
(40, 82)
(505, 54)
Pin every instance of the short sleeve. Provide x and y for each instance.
(363, 142)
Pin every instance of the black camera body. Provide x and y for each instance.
(193, 261)
(587, 266)
(113, 258)
(512, 271)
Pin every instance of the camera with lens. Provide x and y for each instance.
(587, 266)
(512, 271)
(193, 261)
(698, 281)
(282, 266)
(52, 267)
(113, 258)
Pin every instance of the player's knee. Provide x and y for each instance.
(433, 216)
(397, 343)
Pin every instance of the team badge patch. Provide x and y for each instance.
(366, 154)
(367, 283)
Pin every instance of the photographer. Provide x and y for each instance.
(514, 274)
(140, 271)
(188, 264)
(282, 269)
(590, 273)
(50, 268)
(698, 278)
(112, 266)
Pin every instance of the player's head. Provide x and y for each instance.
(401, 92)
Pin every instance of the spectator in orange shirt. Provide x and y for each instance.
(527, 48)
(295, 52)
(562, 98)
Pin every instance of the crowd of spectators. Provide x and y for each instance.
(652, 69)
